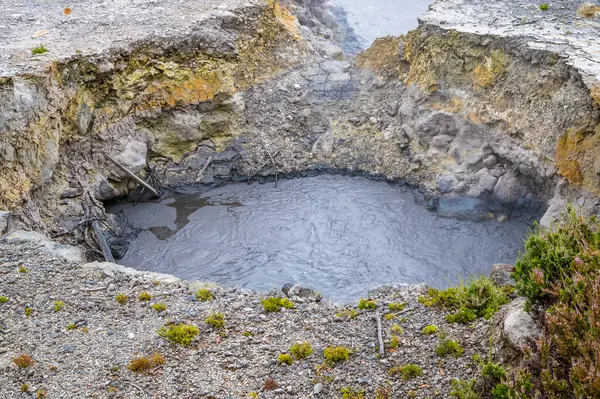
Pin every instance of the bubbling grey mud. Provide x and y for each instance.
(339, 235)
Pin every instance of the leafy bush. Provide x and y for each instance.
(58, 306)
(145, 296)
(284, 358)
(429, 330)
(23, 361)
(121, 299)
(159, 307)
(462, 316)
(407, 372)
(494, 371)
(367, 304)
(181, 334)
(274, 304)
(301, 350)
(39, 50)
(449, 347)
(217, 320)
(336, 354)
(396, 306)
(352, 393)
(464, 389)
(480, 297)
(502, 391)
(204, 295)
(559, 273)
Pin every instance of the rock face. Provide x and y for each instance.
(514, 329)
(500, 274)
(302, 294)
(487, 118)
(5, 222)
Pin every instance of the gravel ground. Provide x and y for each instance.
(230, 363)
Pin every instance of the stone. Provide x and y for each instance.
(511, 189)
(103, 190)
(323, 147)
(446, 184)
(487, 183)
(133, 156)
(5, 221)
(500, 274)
(67, 252)
(70, 192)
(301, 294)
(435, 124)
(520, 328)
(317, 388)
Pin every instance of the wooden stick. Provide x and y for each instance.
(133, 176)
(206, 164)
(379, 334)
(102, 241)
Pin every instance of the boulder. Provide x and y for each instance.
(398, 289)
(511, 189)
(446, 184)
(133, 156)
(5, 222)
(500, 274)
(301, 294)
(487, 183)
(514, 329)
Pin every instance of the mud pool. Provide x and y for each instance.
(339, 235)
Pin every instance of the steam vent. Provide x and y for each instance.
(226, 199)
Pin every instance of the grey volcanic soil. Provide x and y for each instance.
(336, 234)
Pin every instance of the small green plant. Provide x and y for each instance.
(397, 306)
(407, 372)
(159, 307)
(181, 334)
(28, 311)
(389, 316)
(336, 354)
(58, 306)
(397, 329)
(274, 304)
(22, 269)
(493, 371)
(480, 296)
(247, 334)
(544, 6)
(142, 364)
(285, 358)
(348, 314)
(462, 316)
(352, 393)
(71, 326)
(464, 389)
(301, 350)
(23, 361)
(24, 388)
(383, 393)
(122, 299)
(3, 299)
(41, 393)
(217, 320)
(394, 342)
(502, 391)
(145, 297)
(204, 295)
(429, 330)
(367, 304)
(449, 347)
(39, 50)
(253, 395)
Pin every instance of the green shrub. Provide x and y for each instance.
(429, 330)
(348, 314)
(122, 299)
(3, 299)
(336, 354)
(462, 316)
(502, 391)
(301, 350)
(181, 334)
(159, 307)
(396, 328)
(145, 296)
(284, 358)
(28, 311)
(217, 320)
(560, 273)
(39, 50)
(394, 342)
(274, 304)
(204, 295)
(352, 393)
(58, 306)
(367, 304)
(464, 389)
(22, 269)
(396, 306)
(481, 296)
(449, 347)
(407, 372)
(493, 371)
(544, 7)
